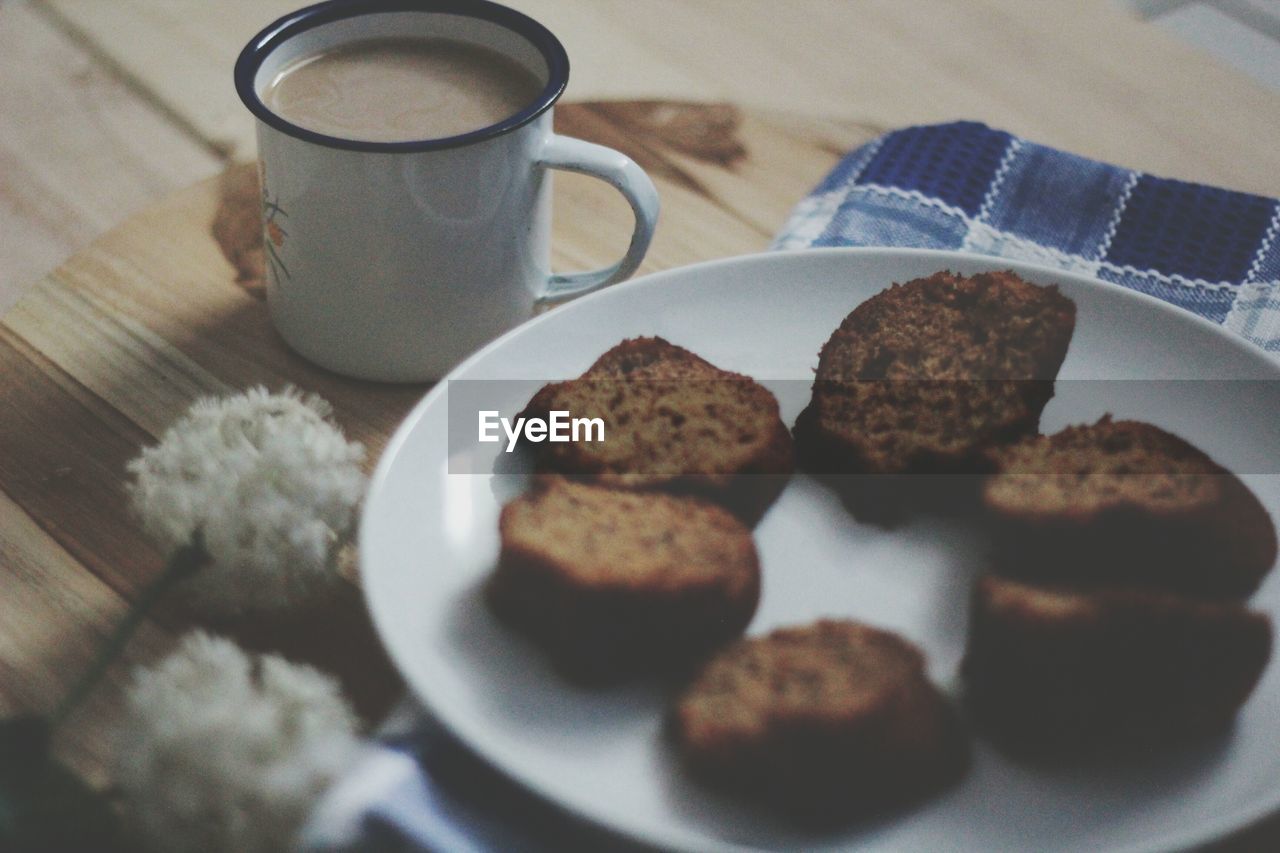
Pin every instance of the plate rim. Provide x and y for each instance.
(671, 837)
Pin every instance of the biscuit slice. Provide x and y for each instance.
(613, 583)
(673, 422)
(1053, 670)
(826, 722)
(922, 378)
(1124, 502)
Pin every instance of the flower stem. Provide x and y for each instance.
(184, 562)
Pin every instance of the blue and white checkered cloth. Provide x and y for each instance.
(967, 187)
(950, 186)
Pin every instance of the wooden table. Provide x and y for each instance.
(108, 109)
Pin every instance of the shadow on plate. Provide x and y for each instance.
(741, 820)
(511, 475)
(525, 691)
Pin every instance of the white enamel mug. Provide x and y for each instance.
(394, 260)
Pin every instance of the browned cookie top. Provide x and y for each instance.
(616, 582)
(670, 419)
(1127, 502)
(926, 373)
(828, 721)
(601, 538)
(832, 670)
(1088, 469)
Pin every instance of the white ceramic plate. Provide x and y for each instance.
(429, 537)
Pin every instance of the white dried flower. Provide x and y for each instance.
(221, 751)
(268, 483)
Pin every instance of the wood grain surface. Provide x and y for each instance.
(1086, 75)
(106, 107)
(107, 350)
(78, 150)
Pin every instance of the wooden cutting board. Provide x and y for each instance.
(110, 348)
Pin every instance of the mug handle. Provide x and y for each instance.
(621, 172)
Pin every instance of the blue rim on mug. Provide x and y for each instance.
(277, 33)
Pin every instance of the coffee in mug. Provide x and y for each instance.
(405, 150)
(401, 89)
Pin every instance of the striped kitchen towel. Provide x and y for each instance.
(948, 186)
(965, 186)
